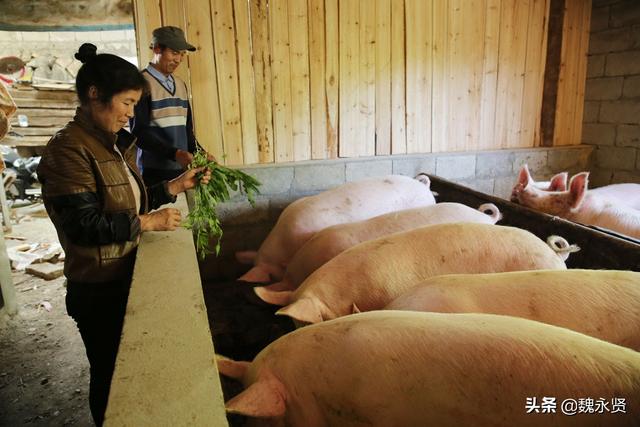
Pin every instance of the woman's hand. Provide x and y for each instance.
(188, 180)
(167, 219)
(184, 158)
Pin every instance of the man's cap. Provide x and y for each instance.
(171, 37)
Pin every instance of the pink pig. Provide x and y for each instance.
(579, 205)
(370, 275)
(333, 240)
(627, 194)
(604, 304)
(350, 202)
(401, 369)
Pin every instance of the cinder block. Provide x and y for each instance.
(318, 177)
(569, 159)
(591, 111)
(603, 88)
(494, 164)
(130, 34)
(482, 185)
(414, 165)
(36, 36)
(624, 14)
(502, 187)
(628, 136)
(617, 158)
(598, 134)
(626, 176)
(236, 213)
(631, 87)
(595, 65)
(620, 112)
(623, 63)
(614, 40)
(535, 160)
(357, 170)
(274, 180)
(90, 37)
(600, 177)
(599, 18)
(456, 167)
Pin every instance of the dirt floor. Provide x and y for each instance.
(44, 373)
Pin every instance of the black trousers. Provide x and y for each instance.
(98, 310)
(154, 176)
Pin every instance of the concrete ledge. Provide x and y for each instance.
(165, 372)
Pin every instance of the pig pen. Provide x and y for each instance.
(179, 308)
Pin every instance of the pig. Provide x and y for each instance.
(604, 304)
(627, 194)
(331, 241)
(579, 205)
(370, 275)
(350, 202)
(395, 368)
(557, 183)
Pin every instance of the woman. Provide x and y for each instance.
(99, 205)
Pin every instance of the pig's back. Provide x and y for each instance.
(331, 241)
(600, 303)
(416, 369)
(375, 272)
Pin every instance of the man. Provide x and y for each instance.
(163, 121)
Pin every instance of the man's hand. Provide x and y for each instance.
(187, 180)
(184, 158)
(162, 220)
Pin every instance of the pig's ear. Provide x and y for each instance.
(266, 398)
(257, 274)
(578, 188)
(231, 368)
(354, 309)
(246, 257)
(273, 297)
(303, 310)
(423, 178)
(524, 177)
(559, 182)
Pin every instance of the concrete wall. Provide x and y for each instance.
(491, 172)
(612, 97)
(63, 44)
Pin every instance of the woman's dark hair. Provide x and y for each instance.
(110, 74)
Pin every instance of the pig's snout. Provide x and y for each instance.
(561, 246)
(491, 210)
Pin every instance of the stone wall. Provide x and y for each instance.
(612, 96)
(40, 46)
(491, 172)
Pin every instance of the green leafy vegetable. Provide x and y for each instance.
(203, 219)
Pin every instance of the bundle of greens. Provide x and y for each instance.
(203, 219)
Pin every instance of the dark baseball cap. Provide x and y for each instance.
(171, 37)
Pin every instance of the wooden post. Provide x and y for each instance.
(6, 281)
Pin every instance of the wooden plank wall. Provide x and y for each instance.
(294, 80)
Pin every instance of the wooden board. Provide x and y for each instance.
(262, 78)
(367, 79)
(350, 129)
(173, 14)
(281, 81)
(202, 67)
(146, 18)
(383, 77)
(246, 84)
(332, 75)
(317, 77)
(398, 83)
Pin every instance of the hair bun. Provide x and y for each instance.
(86, 52)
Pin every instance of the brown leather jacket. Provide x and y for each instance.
(88, 197)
